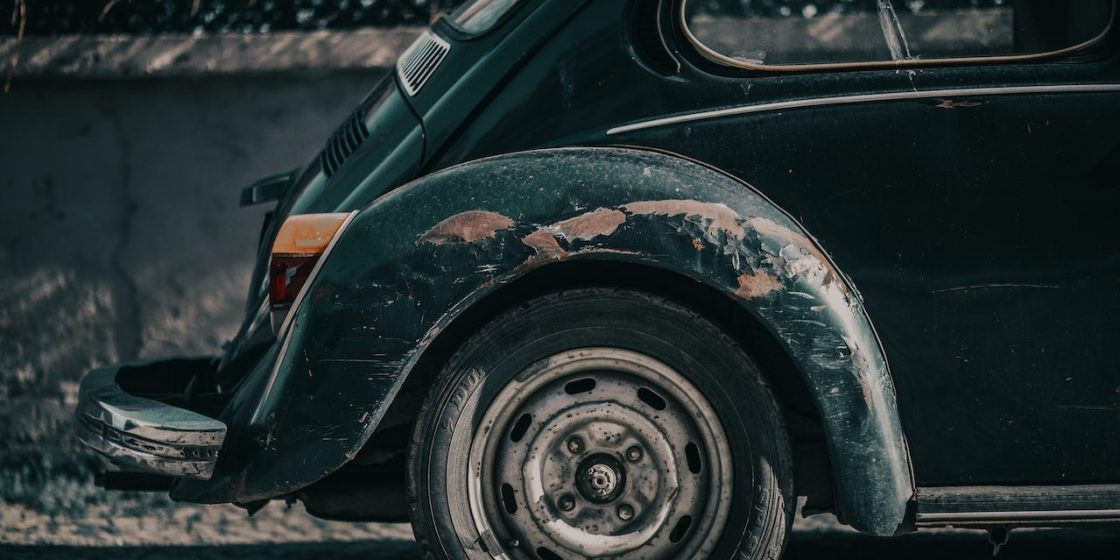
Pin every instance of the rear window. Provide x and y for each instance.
(791, 33)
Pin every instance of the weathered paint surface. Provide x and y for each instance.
(413, 261)
(466, 227)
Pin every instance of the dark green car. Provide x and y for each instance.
(607, 278)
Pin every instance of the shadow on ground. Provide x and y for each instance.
(1031, 545)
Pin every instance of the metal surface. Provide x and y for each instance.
(989, 517)
(1018, 504)
(865, 98)
(142, 433)
(417, 64)
(556, 469)
(363, 328)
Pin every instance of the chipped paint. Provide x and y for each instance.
(714, 217)
(544, 244)
(799, 256)
(757, 284)
(466, 227)
(587, 226)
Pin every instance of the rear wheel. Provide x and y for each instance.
(600, 423)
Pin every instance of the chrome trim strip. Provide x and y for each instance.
(865, 98)
(997, 516)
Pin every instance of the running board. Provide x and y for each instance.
(1017, 505)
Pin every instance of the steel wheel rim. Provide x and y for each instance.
(599, 452)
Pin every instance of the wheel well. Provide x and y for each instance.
(812, 476)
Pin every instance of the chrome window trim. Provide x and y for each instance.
(720, 58)
(864, 98)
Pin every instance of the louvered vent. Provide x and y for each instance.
(420, 61)
(343, 142)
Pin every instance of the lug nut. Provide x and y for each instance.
(575, 445)
(566, 503)
(634, 454)
(625, 512)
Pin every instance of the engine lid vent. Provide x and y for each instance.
(343, 143)
(420, 61)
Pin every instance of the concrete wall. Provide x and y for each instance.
(121, 236)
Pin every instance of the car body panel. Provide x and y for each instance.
(416, 259)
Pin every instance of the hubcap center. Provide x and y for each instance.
(600, 478)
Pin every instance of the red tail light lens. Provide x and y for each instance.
(300, 243)
(286, 276)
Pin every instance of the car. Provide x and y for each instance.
(638, 279)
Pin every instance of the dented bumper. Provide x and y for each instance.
(124, 414)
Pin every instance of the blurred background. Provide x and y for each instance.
(129, 128)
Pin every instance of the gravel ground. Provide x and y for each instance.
(148, 526)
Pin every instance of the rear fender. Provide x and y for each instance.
(417, 258)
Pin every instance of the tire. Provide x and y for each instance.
(600, 422)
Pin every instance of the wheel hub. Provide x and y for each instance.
(599, 453)
(600, 479)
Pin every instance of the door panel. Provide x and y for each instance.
(982, 234)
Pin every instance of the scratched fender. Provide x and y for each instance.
(418, 257)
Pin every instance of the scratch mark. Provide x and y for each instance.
(955, 104)
(995, 286)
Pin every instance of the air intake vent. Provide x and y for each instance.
(343, 142)
(420, 61)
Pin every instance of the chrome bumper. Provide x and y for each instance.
(145, 434)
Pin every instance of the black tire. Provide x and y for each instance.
(757, 512)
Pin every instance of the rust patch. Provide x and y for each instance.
(757, 284)
(466, 227)
(603, 221)
(544, 243)
(697, 244)
(715, 217)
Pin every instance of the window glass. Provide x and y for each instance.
(478, 16)
(799, 32)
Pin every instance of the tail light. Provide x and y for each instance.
(300, 244)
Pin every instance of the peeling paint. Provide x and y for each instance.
(957, 103)
(544, 243)
(587, 226)
(713, 217)
(466, 227)
(757, 284)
